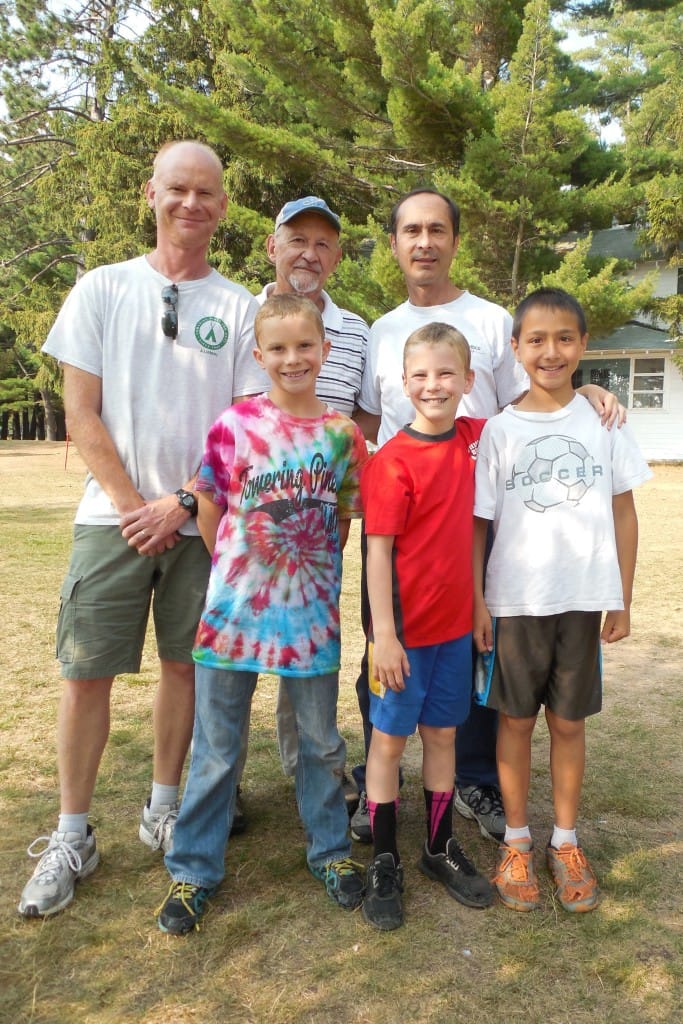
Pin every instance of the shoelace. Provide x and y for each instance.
(386, 879)
(53, 855)
(166, 820)
(517, 864)
(455, 855)
(344, 867)
(190, 896)
(574, 862)
(490, 801)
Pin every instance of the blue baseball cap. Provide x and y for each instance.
(309, 204)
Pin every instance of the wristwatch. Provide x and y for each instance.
(187, 500)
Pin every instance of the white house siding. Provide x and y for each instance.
(659, 432)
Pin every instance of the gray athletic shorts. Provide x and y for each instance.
(106, 596)
(553, 660)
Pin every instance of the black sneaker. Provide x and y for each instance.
(182, 908)
(383, 906)
(458, 874)
(239, 818)
(482, 804)
(360, 821)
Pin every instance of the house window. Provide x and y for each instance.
(648, 383)
(638, 383)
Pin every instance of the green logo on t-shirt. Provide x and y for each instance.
(211, 333)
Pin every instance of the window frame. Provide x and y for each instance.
(633, 391)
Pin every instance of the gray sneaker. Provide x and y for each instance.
(156, 827)
(360, 821)
(64, 861)
(483, 805)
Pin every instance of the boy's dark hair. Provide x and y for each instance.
(439, 334)
(453, 208)
(549, 298)
(288, 304)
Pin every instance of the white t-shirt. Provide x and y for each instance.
(547, 482)
(339, 381)
(159, 395)
(499, 378)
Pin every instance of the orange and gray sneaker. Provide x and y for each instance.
(577, 887)
(515, 880)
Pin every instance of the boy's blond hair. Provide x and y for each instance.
(288, 304)
(439, 334)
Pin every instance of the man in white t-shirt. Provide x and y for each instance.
(424, 236)
(153, 349)
(304, 249)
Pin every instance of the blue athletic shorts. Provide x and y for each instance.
(438, 690)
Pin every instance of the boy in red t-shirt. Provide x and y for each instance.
(418, 499)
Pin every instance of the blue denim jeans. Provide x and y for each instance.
(222, 701)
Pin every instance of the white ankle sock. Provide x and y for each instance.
(162, 796)
(517, 833)
(563, 835)
(73, 823)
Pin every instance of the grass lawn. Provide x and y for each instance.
(274, 949)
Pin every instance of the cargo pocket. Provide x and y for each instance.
(66, 620)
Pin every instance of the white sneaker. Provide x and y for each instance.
(64, 861)
(156, 827)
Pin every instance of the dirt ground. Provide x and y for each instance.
(274, 950)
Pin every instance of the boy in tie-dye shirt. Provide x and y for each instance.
(278, 485)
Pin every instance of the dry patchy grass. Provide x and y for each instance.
(273, 949)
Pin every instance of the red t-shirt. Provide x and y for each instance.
(420, 490)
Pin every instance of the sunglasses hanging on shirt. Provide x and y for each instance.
(169, 318)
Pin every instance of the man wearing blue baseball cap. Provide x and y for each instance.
(304, 249)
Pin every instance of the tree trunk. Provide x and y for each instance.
(51, 425)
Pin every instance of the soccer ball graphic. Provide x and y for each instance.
(551, 471)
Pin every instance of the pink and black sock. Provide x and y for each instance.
(383, 821)
(439, 820)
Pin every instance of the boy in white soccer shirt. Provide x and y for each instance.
(558, 488)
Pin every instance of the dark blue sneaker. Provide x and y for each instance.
(344, 882)
(181, 910)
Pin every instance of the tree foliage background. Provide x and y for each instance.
(355, 100)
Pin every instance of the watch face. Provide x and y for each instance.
(188, 501)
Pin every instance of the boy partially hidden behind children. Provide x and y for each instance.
(418, 495)
(558, 487)
(277, 487)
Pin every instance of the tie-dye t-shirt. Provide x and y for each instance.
(272, 603)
